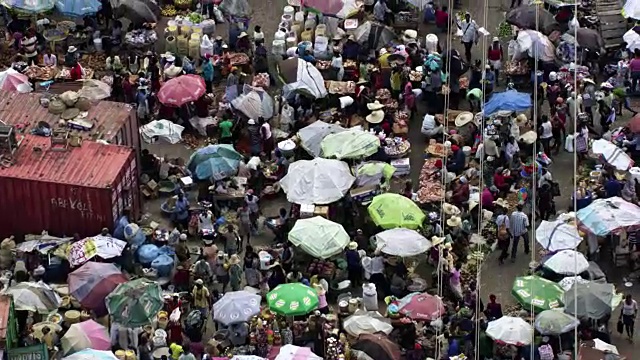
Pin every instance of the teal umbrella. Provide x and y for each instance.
(214, 161)
(30, 6)
(135, 303)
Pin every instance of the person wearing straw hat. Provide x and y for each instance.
(375, 117)
(235, 272)
(201, 297)
(243, 44)
(354, 266)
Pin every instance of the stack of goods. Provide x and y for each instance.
(415, 76)
(400, 122)
(431, 189)
(41, 72)
(141, 37)
(261, 80)
(340, 87)
(396, 147)
(236, 59)
(402, 166)
(383, 96)
(350, 64)
(97, 61)
(490, 232)
(517, 68)
(322, 267)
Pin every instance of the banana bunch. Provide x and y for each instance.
(168, 11)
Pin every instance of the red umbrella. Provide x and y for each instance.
(181, 90)
(423, 307)
(634, 124)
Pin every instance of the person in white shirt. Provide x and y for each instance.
(546, 178)
(431, 127)
(547, 134)
(50, 59)
(628, 315)
(519, 228)
(30, 46)
(469, 35)
(336, 64)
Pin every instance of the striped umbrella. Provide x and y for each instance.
(36, 297)
(93, 281)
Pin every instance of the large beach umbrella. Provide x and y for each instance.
(182, 90)
(591, 300)
(11, 80)
(91, 354)
(510, 330)
(105, 247)
(604, 216)
(538, 292)
(374, 35)
(31, 296)
(422, 307)
(612, 154)
(555, 322)
(533, 18)
(312, 135)
(567, 262)
(319, 237)
(78, 8)
(292, 299)
(92, 282)
(377, 346)
(302, 77)
(393, 210)
(350, 144)
(30, 6)
(135, 303)
(85, 335)
(214, 161)
(318, 181)
(236, 307)
(138, 11)
(367, 323)
(558, 235)
(402, 242)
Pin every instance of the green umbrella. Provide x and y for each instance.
(135, 303)
(393, 210)
(534, 290)
(319, 237)
(293, 299)
(350, 144)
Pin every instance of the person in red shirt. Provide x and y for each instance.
(76, 72)
(494, 54)
(442, 18)
(502, 180)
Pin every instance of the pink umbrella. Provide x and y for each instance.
(92, 282)
(422, 307)
(86, 335)
(182, 90)
(11, 80)
(328, 7)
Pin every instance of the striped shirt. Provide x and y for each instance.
(519, 223)
(502, 219)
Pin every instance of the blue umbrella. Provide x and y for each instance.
(509, 100)
(214, 161)
(30, 6)
(78, 8)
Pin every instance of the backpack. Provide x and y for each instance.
(503, 233)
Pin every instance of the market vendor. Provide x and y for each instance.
(217, 46)
(49, 59)
(337, 65)
(71, 57)
(457, 162)
(30, 47)
(351, 49)
(243, 44)
(502, 180)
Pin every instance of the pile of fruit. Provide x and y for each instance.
(490, 232)
(195, 18)
(326, 268)
(183, 4)
(168, 11)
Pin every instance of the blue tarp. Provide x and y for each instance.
(509, 100)
(147, 253)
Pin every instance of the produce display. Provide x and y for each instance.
(261, 80)
(168, 11)
(141, 37)
(195, 18)
(505, 30)
(415, 75)
(340, 87)
(431, 189)
(182, 4)
(396, 147)
(96, 61)
(516, 68)
(238, 59)
(391, 104)
(41, 72)
(490, 232)
(323, 64)
(401, 118)
(437, 150)
(383, 94)
(326, 268)
(350, 64)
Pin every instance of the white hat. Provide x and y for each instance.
(502, 203)
(337, 37)
(251, 122)
(170, 58)
(437, 240)
(529, 137)
(352, 245)
(183, 237)
(490, 158)
(450, 209)
(199, 282)
(521, 120)
(411, 34)
(375, 106)
(454, 221)
(375, 117)
(72, 49)
(173, 71)
(225, 46)
(464, 118)
(383, 51)
(234, 259)
(495, 38)
(242, 34)
(553, 76)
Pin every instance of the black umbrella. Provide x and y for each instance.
(374, 35)
(377, 346)
(236, 8)
(524, 17)
(138, 11)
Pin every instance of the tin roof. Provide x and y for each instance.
(92, 164)
(24, 110)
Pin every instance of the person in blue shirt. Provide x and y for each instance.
(351, 49)
(454, 346)
(612, 187)
(207, 73)
(180, 213)
(489, 79)
(457, 163)
(354, 268)
(121, 223)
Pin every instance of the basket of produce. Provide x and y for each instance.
(438, 150)
(340, 87)
(383, 95)
(168, 11)
(41, 72)
(140, 37)
(516, 68)
(236, 59)
(396, 147)
(183, 4)
(195, 18)
(323, 64)
(391, 105)
(350, 64)
(66, 26)
(432, 191)
(415, 75)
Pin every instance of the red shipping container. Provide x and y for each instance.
(77, 190)
(114, 122)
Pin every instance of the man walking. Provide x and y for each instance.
(519, 228)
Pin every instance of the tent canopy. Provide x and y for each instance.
(254, 103)
(374, 35)
(509, 100)
(301, 77)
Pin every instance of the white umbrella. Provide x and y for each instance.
(292, 352)
(511, 330)
(367, 323)
(318, 181)
(558, 235)
(161, 129)
(236, 307)
(631, 9)
(567, 283)
(605, 347)
(105, 247)
(311, 135)
(402, 242)
(604, 216)
(612, 154)
(254, 103)
(567, 262)
(319, 237)
(31, 296)
(632, 39)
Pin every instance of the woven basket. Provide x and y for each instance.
(57, 107)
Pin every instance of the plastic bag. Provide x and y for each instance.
(286, 116)
(218, 15)
(147, 253)
(206, 46)
(568, 143)
(175, 315)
